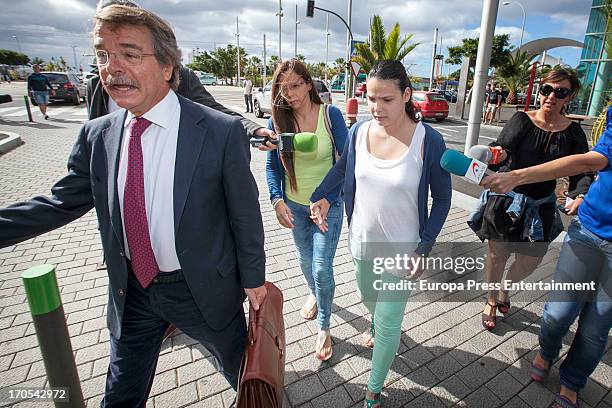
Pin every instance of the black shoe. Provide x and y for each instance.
(46, 117)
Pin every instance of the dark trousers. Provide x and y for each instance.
(248, 100)
(147, 315)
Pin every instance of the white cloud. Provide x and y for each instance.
(49, 27)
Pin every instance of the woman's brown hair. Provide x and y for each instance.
(282, 114)
(559, 74)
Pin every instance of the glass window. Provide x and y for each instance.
(597, 21)
(436, 97)
(56, 78)
(418, 97)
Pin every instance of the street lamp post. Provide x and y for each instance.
(505, 3)
(237, 53)
(76, 64)
(326, 44)
(18, 45)
(280, 16)
(296, 29)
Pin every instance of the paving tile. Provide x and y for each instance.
(305, 390)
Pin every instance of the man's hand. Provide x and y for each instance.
(256, 296)
(265, 132)
(500, 183)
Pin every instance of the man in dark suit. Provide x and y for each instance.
(176, 202)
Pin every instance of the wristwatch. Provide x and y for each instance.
(579, 196)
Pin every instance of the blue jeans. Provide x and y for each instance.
(584, 257)
(316, 251)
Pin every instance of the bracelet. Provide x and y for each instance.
(275, 201)
(580, 196)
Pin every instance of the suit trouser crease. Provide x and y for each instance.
(148, 313)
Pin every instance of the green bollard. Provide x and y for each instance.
(53, 338)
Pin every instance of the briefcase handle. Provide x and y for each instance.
(266, 326)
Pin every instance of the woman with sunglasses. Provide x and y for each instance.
(293, 176)
(586, 256)
(526, 220)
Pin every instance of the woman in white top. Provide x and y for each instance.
(388, 168)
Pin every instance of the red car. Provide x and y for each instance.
(432, 105)
(360, 89)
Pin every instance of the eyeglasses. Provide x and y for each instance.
(560, 93)
(285, 88)
(132, 58)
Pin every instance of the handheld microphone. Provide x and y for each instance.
(480, 153)
(485, 154)
(459, 164)
(305, 142)
(259, 141)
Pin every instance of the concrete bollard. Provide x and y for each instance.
(54, 341)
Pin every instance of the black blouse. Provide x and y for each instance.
(528, 145)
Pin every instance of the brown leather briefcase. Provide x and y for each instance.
(262, 373)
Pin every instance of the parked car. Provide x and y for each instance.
(432, 105)
(262, 102)
(67, 86)
(207, 79)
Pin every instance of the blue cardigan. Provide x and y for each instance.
(275, 173)
(433, 177)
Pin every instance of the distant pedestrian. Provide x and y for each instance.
(486, 102)
(39, 88)
(502, 99)
(493, 103)
(248, 95)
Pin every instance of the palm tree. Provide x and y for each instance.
(514, 73)
(383, 47)
(339, 65)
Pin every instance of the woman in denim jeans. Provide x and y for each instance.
(586, 256)
(292, 177)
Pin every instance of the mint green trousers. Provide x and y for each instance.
(386, 305)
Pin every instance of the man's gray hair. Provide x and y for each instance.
(105, 3)
(165, 47)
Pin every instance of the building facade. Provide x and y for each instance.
(595, 68)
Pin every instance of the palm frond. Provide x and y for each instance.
(391, 45)
(378, 36)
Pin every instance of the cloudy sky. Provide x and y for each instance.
(47, 28)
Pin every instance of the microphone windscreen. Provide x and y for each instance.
(305, 142)
(455, 162)
(480, 153)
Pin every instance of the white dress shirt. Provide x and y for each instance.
(159, 156)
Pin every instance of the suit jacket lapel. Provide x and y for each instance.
(113, 136)
(191, 135)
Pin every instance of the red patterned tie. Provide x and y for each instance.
(135, 222)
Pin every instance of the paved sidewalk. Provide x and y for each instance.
(445, 356)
